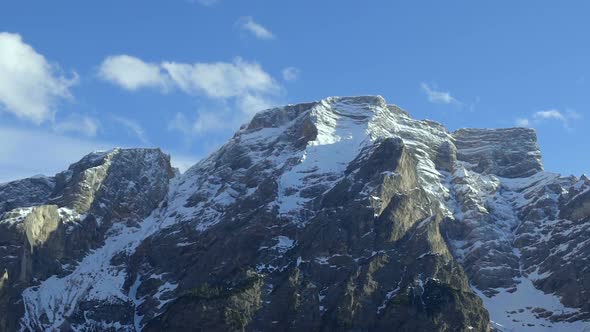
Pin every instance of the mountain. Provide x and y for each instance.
(339, 215)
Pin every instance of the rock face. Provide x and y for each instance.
(339, 215)
(25, 193)
(65, 217)
(509, 153)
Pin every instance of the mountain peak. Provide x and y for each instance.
(278, 116)
(339, 214)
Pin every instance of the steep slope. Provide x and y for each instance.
(517, 238)
(314, 216)
(103, 194)
(342, 214)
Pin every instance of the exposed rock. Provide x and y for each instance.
(337, 229)
(25, 193)
(40, 223)
(510, 153)
(576, 208)
(119, 187)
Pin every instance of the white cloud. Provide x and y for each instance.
(552, 114)
(30, 87)
(244, 84)
(221, 79)
(132, 73)
(241, 86)
(438, 97)
(248, 24)
(290, 74)
(522, 122)
(214, 80)
(549, 115)
(78, 124)
(133, 127)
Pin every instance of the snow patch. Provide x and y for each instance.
(515, 311)
(341, 134)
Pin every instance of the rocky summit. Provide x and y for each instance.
(339, 215)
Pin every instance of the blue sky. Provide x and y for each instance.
(183, 75)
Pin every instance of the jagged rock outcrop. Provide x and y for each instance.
(339, 215)
(47, 238)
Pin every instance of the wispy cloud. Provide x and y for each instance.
(133, 127)
(53, 152)
(183, 162)
(79, 124)
(290, 74)
(436, 96)
(522, 122)
(220, 118)
(30, 86)
(205, 2)
(248, 24)
(550, 115)
(180, 123)
(204, 121)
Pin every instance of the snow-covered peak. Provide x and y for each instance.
(310, 145)
(329, 191)
(278, 116)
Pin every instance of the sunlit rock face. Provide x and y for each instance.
(509, 153)
(343, 214)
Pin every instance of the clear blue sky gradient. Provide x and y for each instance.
(502, 60)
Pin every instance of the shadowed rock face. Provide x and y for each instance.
(86, 202)
(25, 193)
(339, 215)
